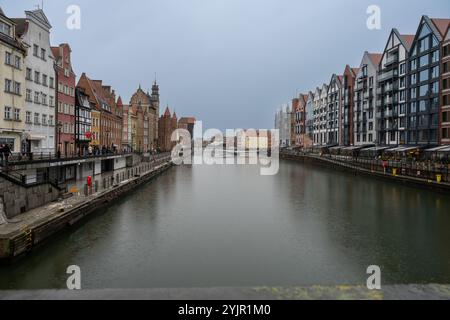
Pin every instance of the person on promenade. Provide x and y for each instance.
(90, 151)
(2, 147)
(6, 151)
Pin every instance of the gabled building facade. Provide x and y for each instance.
(347, 105)
(322, 116)
(333, 110)
(392, 90)
(364, 120)
(294, 107)
(12, 85)
(167, 125)
(308, 138)
(103, 100)
(83, 122)
(65, 113)
(299, 120)
(445, 90)
(424, 82)
(40, 96)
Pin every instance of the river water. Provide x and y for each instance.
(227, 226)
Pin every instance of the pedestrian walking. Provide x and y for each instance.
(6, 152)
(2, 148)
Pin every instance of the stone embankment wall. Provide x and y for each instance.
(17, 199)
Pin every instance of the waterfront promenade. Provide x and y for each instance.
(423, 174)
(19, 234)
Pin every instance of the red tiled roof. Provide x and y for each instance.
(355, 71)
(408, 39)
(55, 51)
(441, 25)
(376, 58)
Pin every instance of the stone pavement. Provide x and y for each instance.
(394, 292)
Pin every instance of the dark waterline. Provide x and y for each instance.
(226, 226)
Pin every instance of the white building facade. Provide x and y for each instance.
(333, 110)
(40, 83)
(364, 119)
(283, 124)
(391, 91)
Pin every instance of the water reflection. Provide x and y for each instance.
(204, 226)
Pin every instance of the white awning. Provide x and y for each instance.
(36, 137)
(437, 149)
(446, 149)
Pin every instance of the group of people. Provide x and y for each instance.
(5, 152)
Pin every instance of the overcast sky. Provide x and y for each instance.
(230, 63)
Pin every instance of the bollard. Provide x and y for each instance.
(96, 186)
(86, 190)
(438, 178)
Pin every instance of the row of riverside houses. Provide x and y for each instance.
(398, 97)
(44, 111)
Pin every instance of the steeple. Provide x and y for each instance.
(155, 89)
(167, 112)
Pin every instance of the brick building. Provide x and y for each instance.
(103, 99)
(65, 114)
(187, 123)
(166, 125)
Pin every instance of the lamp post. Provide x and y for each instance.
(59, 140)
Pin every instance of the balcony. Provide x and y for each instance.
(391, 60)
(384, 76)
(368, 94)
(392, 126)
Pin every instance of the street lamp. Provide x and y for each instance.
(59, 139)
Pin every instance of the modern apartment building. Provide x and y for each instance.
(364, 120)
(40, 84)
(12, 85)
(347, 106)
(392, 90)
(321, 105)
(308, 139)
(445, 89)
(424, 82)
(65, 115)
(333, 110)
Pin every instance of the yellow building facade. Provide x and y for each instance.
(12, 86)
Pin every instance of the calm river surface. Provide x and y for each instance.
(225, 226)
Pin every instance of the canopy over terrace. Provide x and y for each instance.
(336, 149)
(354, 149)
(373, 151)
(403, 151)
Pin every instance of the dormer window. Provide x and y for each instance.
(5, 28)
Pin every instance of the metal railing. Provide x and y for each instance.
(425, 170)
(19, 158)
